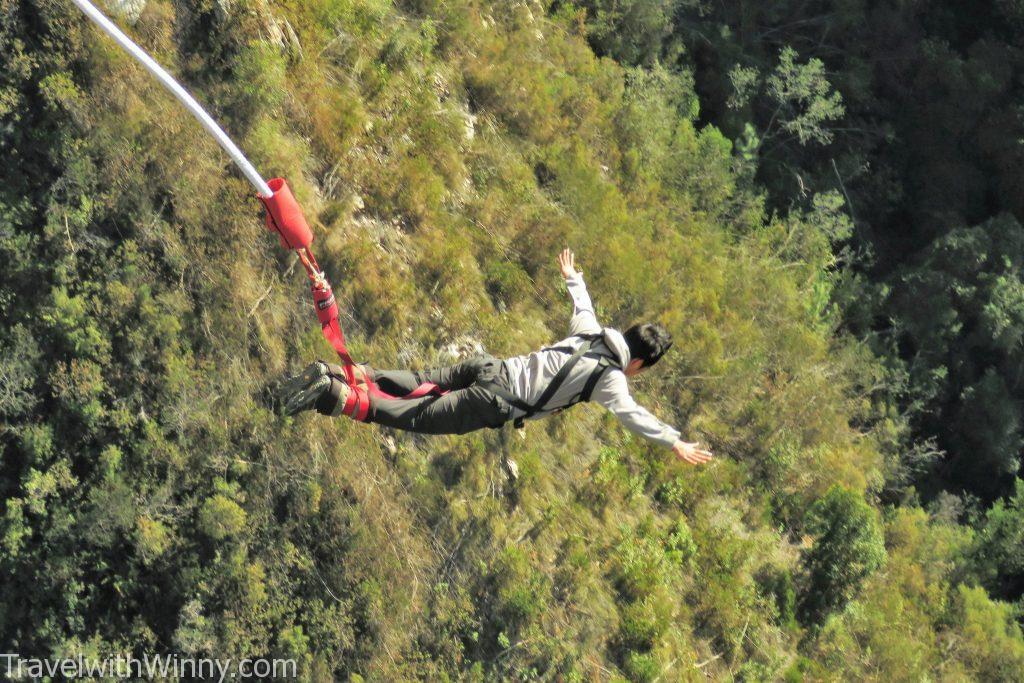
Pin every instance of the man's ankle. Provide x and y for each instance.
(332, 401)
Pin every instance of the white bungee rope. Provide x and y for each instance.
(180, 93)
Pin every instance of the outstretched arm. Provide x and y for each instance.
(583, 319)
(613, 393)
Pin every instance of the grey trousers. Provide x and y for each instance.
(466, 407)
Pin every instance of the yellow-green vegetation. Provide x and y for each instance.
(443, 151)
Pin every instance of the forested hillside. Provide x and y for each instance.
(912, 110)
(153, 501)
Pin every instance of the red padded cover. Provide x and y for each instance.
(285, 217)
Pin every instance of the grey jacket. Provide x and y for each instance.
(530, 374)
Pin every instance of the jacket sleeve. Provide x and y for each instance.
(612, 392)
(584, 321)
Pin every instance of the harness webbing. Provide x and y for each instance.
(584, 349)
(602, 364)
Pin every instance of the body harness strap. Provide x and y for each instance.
(603, 363)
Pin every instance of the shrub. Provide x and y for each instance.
(848, 547)
(991, 642)
(220, 517)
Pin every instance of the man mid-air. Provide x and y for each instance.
(591, 364)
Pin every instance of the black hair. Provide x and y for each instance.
(648, 342)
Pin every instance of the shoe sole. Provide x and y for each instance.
(306, 398)
(302, 380)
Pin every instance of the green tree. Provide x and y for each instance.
(958, 321)
(998, 548)
(634, 32)
(799, 97)
(848, 547)
(991, 643)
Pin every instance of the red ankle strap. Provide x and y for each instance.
(357, 404)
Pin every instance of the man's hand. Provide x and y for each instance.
(567, 262)
(691, 452)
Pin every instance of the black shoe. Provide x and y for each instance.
(305, 398)
(298, 382)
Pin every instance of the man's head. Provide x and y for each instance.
(647, 343)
